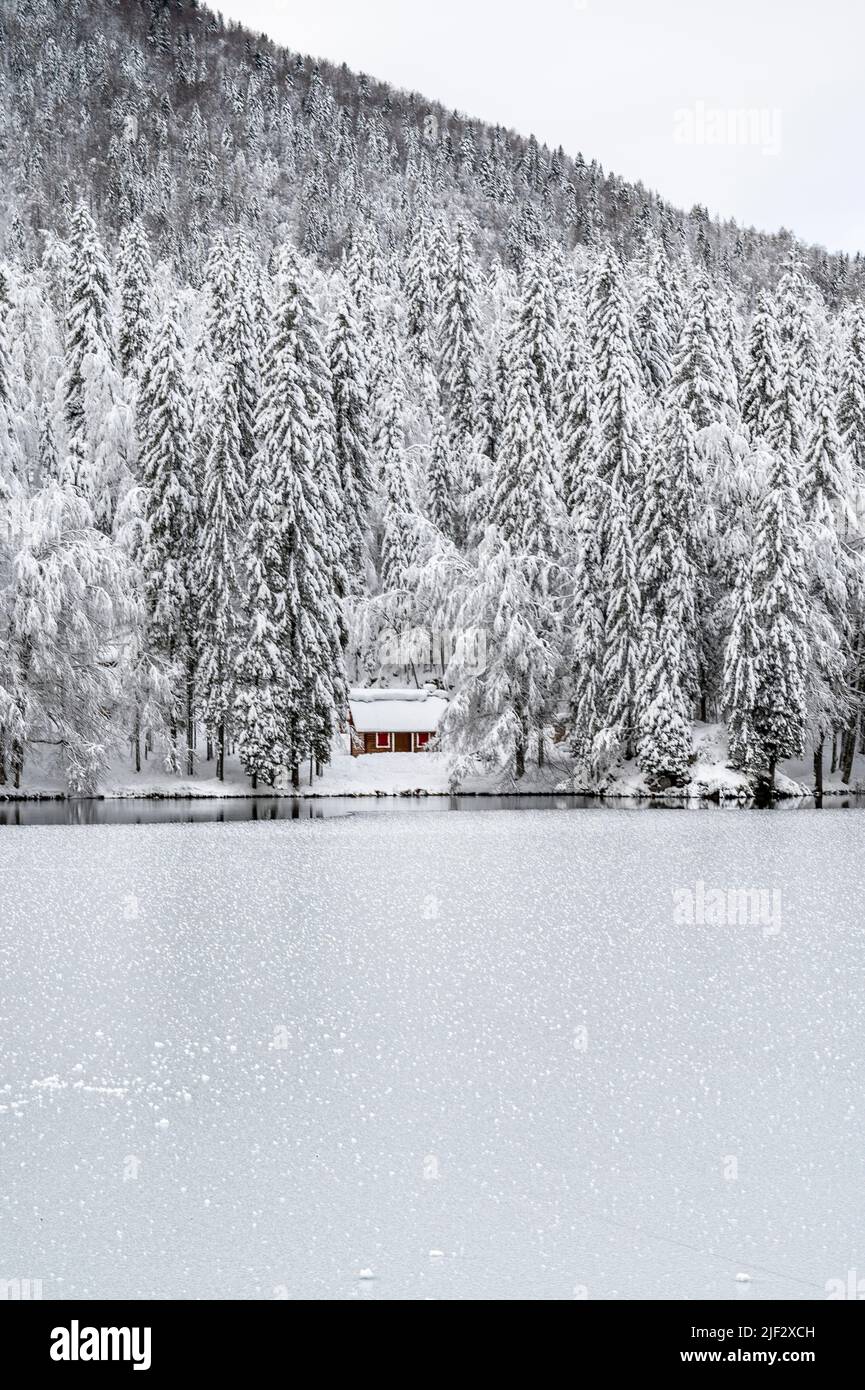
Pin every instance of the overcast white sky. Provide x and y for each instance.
(613, 77)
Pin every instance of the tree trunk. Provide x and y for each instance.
(834, 764)
(773, 764)
(520, 759)
(2, 763)
(255, 781)
(220, 756)
(295, 778)
(136, 743)
(818, 771)
(190, 722)
(848, 753)
(311, 771)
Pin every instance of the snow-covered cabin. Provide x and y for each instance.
(394, 721)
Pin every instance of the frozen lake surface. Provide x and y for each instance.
(478, 1056)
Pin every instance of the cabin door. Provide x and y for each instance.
(402, 743)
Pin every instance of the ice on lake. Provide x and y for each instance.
(430, 1056)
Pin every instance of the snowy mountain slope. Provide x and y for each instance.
(304, 385)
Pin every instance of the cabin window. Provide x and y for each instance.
(423, 740)
(382, 742)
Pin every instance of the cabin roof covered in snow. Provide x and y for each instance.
(396, 711)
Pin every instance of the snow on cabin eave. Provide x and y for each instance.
(396, 711)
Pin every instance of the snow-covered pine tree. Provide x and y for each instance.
(263, 680)
(241, 350)
(741, 658)
(657, 319)
(537, 333)
(664, 741)
(398, 551)
(303, 540)
(621, 669)
(782, 612)
(351, 434)
(526, 500)
(588, 700)
(851, 395)
(703, 382)
(827, 501)
(459, 342)
(440, 481)
(578, 424)
(763, 371)
(88, 314)
(620, 397)
(421, 305)
(217, 584)
(786, 418)
(171, 512)
(135, 284)
(665, 545)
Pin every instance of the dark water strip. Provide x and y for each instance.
(136, 811)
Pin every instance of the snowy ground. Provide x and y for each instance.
(407, 774)
(251, 1061)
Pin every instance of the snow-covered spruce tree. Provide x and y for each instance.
(421, 307)
(536, 332)
(88, 314)
(782, 611)
(459, 342)
(703, 382)
(578, 423)
(97, 413)
(797, 326)
(851, 395)
(621, 670)
(588, 703)
(620, 397)
(241, 351)
(135, 285)
(826, 501)
(741, 658)
(217, 585)
(351, 434)
(664, 741)
(171, 514)
(263, 681)
(666, 571)
(704, 385)
(219, 292)
(657, 320)
(391, 613)
(760, 389)
(526, 500)
(440, 481)
(297, 558)
(786, 417)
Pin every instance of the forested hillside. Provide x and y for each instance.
(304, 381)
